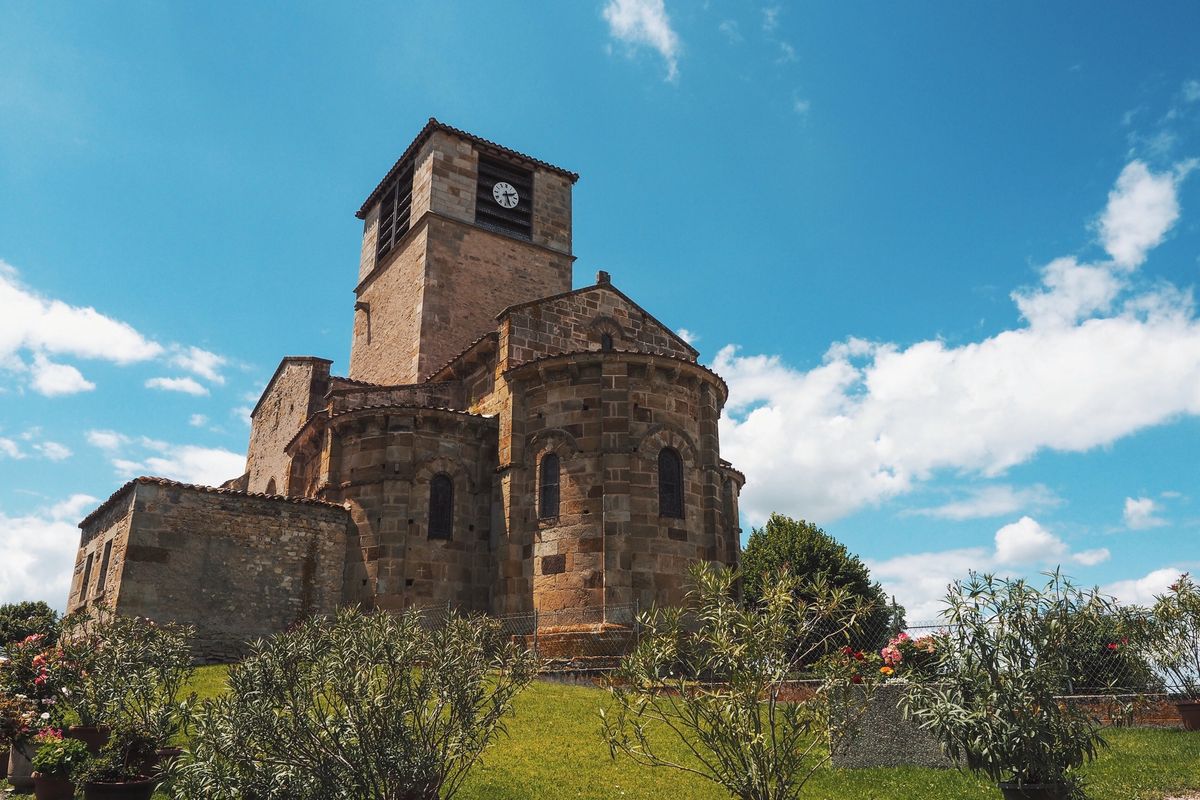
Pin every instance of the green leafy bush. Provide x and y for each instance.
(718, 677)
(357, 706)
(19, 620)
(804, 550)
(58, 757)
(992, 697)
(1173, 638)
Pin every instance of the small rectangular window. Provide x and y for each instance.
(102, 578)
(87, 577)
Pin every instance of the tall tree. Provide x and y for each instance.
(801, 549)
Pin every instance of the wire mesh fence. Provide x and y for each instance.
(1102, 665)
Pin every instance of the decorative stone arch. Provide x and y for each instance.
(607, 332)
(552, 440)
(661, 435)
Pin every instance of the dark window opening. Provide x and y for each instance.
(606, 342)
(548, 505)
(394, 211)
(271, 486)
(441, 507)
(489, 213)
(670, 484)
(87, 577)
(102, 578)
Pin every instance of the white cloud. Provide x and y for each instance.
(1140, 513)
(39, 551)
(688, 336)
(55, 380)
(198, 420)
(42, 325)
(53, 451)
(1142, 590)
(1026, 541)
(991, 501)
(1072, 291)
(801, 106)
(1191, 91)
(243, 414)
(107, 440)
(185, 385)
(645, 22)
(919, 581)
(876, 420)
(1142, 207)
(730, 28)
(10, 448)
(200, 362)
(787, 53)
(770, 20)
(188, 463)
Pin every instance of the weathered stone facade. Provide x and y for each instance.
(503, 443)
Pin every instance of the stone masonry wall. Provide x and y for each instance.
(577, 321)
(294, 393)
(387, 333)
(381, 463)
(607, 416)
(472, 276)
(235, 566)
(112, 526)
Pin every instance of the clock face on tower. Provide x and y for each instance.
(505, 195)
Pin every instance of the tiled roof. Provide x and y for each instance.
(433, 125)
(146, 480)
(619, 352)
(408, 407)
(489, 335)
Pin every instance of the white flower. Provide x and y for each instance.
(45, 715)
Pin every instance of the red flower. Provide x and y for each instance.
(856, 678)
(847, 651)
(859, 656)
(1113, 645)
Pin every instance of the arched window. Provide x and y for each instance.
(441, 507)
(548, 487)
(271, 486)
(606, 342)
(670, 484)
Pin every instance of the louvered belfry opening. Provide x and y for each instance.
(489, 214)
(395, 211)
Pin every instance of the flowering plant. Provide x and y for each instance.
(56, 756)
(39, 675)
(1174, 638)
(18, 719)
(906, 655)
(856, 666)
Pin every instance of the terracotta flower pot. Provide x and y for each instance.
(1189, 712)
(1033, 791)
(51, 787)
(162, 758)
(20, 771)
(130, 790)
(94, 737)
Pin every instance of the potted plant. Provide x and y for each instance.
(32, 678)
(118, 772)
(1174, 645)
(991, 691)
(18, 720)
(54, 762)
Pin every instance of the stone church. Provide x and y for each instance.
(501, 442)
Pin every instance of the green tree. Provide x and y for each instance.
(18, 620)
(802, 549)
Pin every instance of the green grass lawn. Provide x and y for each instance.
(554, 750)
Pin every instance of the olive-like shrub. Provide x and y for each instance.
(356, 706)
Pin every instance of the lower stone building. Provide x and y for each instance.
(502, 443)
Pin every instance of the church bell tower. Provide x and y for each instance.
(458, 230)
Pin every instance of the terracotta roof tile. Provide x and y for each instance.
(434, 125)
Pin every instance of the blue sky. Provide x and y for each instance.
(944, 254)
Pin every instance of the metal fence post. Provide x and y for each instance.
(535, 632)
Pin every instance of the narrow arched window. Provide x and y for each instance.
(670, 484)
(441, 507)
(548, 487)
(606, 342)
(271, 486)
